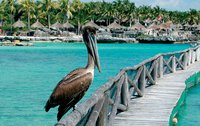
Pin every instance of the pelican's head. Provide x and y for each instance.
(89, 37)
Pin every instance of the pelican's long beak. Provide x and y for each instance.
(94, 50)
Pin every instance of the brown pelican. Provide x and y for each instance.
(74, 85)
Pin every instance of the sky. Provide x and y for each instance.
(180, 5)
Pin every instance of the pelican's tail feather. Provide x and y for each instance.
(64, 108)
(47, 106)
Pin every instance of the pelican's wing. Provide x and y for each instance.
(72, 76)
(71, 88)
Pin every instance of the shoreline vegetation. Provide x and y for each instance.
(118, 21)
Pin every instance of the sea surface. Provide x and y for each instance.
(189, 113)
(29, 74)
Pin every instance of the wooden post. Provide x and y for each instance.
(142, 80)
(193, 56)
(155, 70)
(95, 113)
(117, 100)
(198, 54)
(125, 92)
(161, 66)
(189, 57)
(103, 115)
(173, 63)
(185, 60)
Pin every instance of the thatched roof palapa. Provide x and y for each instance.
(19, 24)
(148, 20)
(194, 25)
(198, 26)
(138, 26)
(198, 29)
(67, 25)
(57, 25)
(114, 25)
(100, 20)
(125, 20)
(37, 24)
(187, 25)
(92, 24)
(164, 26)
(153, 26)
(179, 26)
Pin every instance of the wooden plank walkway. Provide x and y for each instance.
(155, 107)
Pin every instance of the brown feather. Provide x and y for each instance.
(69, 91)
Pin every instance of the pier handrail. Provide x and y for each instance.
(114, 96)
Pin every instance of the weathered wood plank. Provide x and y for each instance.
(125, 92)
(154, 108)
(116, 103)
(103, 115)
(180, 64)
(135, 88)
(161, 67)
(142, 80)
(155, 71)
(173, 63)
(95, 113)
(150, 77)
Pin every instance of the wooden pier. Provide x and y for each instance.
(141, 95)
(155, 107)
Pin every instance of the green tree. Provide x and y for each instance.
(48, 6)
(3, 6)
(28, 9)
(39, 12)
(11, 4)
(78, 6)
(108, 12)
(65, 10)
(192, 16)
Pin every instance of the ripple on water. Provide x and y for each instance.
(29, 74)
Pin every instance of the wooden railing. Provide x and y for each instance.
(115, 95)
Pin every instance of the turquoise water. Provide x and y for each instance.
(189, 113)
(29, 74)
(187, 110)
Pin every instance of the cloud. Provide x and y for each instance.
(166, 3)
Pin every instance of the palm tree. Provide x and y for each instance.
(192, 17)
(89, 8)
(130, 12)
(157, 11)
(78, 6)
(28, 8)
(66, 9)
(118, 10)
(48, 5)
(39, 12)
(108, 12)
(11, 4)
(2, 10)
(145, 12)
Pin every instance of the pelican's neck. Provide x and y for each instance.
(90, 64)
